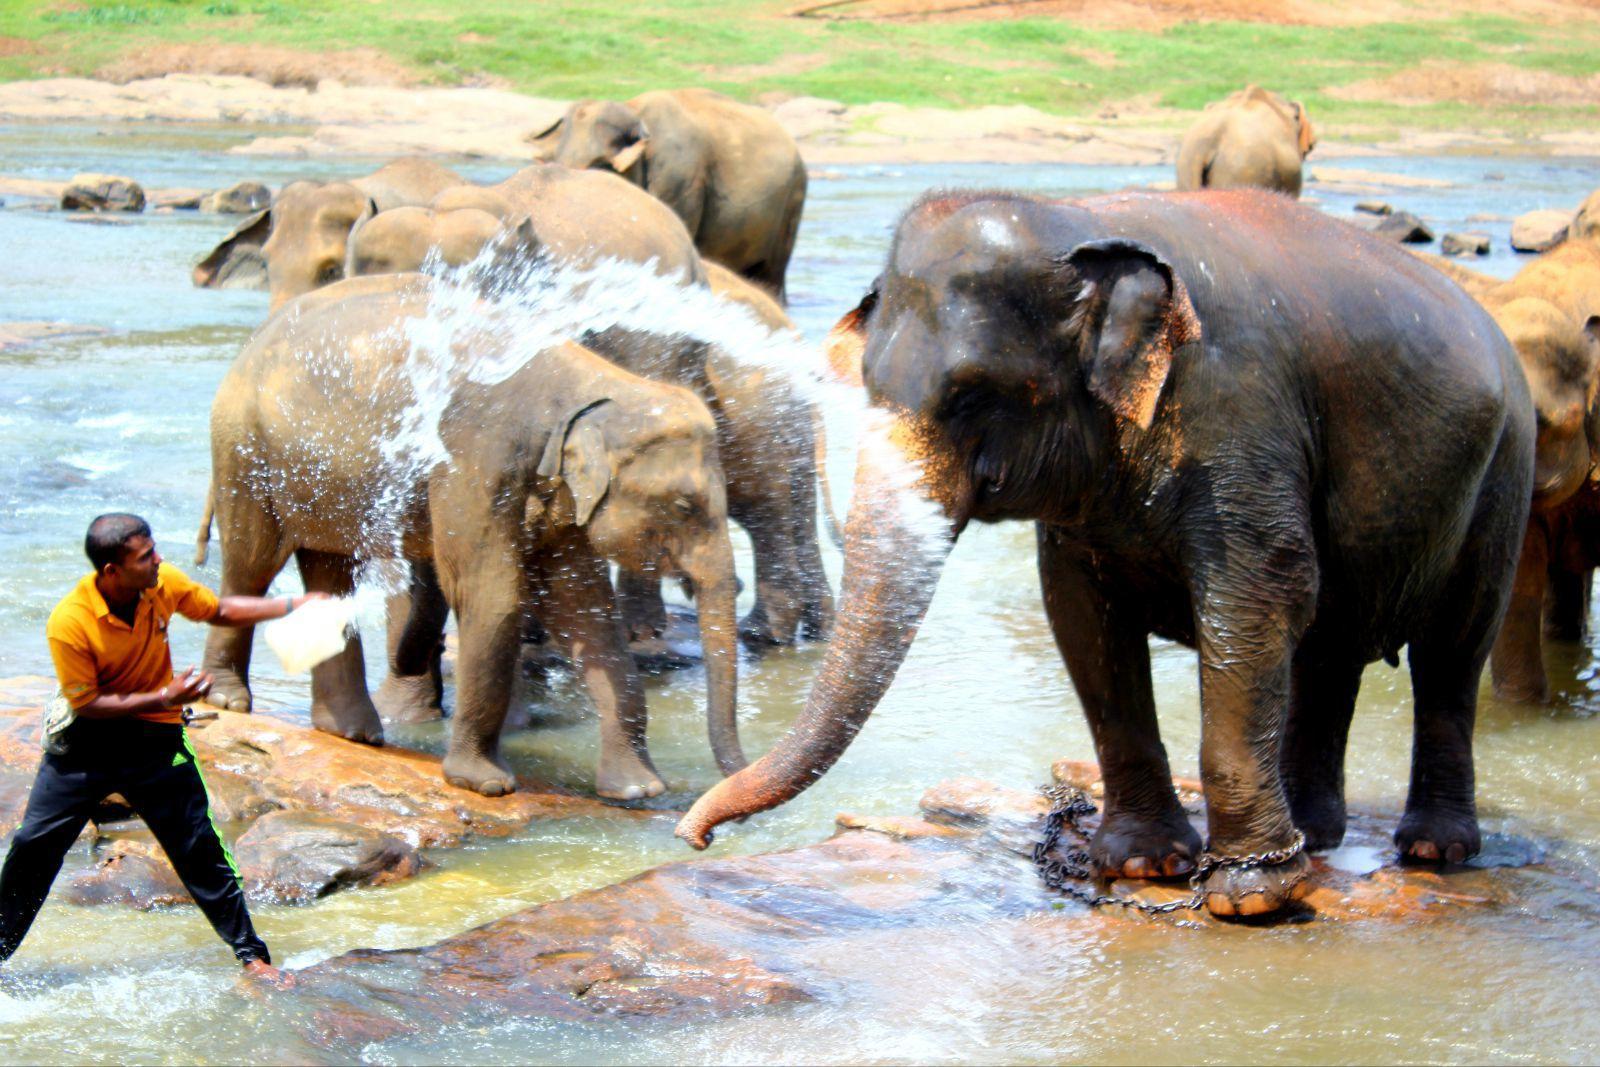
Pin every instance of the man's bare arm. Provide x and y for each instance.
(248, 610)
(186, 688)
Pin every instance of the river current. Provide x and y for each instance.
(119, 421)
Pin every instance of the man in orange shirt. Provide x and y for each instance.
(108, 639)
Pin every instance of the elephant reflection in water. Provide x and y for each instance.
(563, 465)
(1237, 424)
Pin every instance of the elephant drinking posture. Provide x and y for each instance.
(545, 474)
(1237, 424)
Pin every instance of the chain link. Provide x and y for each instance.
(1067, 875)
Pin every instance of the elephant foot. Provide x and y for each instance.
(228, 691)
(1138, 846)
(1523, 691)
(627, 778)
(1438, 836)
(479, 773)
(1248, 892)
(408, 698)
(760, 629)
(353, 720)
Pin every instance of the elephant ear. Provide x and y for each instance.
(546, 140)
(846, 343)
(1131, 313)
(220, 263)
(576, 458)
(1306, 133)
(503, 268)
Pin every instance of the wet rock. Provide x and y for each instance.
(97, 220)
(1404, 227)
(23, 334)
(242, 198)
(1375, 207)
(1465, 244)
(1540, 231)
(102, 192)
(296, 856)
(129, 873)
(176, 199)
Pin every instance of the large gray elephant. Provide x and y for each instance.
(730, 171)
(1236, 423)
(765, 432)
(1253, 138)
(299, 242)
(547, 473)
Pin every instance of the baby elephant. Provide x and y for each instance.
(515, 489)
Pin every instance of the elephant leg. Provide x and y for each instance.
(1322, 700)
(1566, 604)
(252, 555)
(1441, 819)
(489, 620)
(816, 613)
(1516, 663)
(339, 701)
(583, 614)
(413, 689)
(1144, 833)
(775, 617)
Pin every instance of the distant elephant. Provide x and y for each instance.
(1184, 393)
(582, 216)
(730, 171)
(1253, 138)
(299, 242)
(564, 464)
(1551, 313)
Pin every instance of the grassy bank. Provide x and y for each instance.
(571, 48)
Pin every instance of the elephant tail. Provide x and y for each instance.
(202, 540)
(830, 518)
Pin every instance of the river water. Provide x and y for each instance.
(119, 421)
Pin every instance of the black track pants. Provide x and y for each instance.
(154, 768)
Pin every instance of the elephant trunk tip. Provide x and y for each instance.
(695, 832)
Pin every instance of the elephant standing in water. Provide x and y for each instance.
(729, 170)
(549, 471)
(1251, 139)
(764, 431)
(299, 243)
(1237, 424)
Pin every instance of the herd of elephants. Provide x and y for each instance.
(1236, 422)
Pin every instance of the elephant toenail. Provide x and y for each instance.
(1425, 850)
(1138, 867)
(1177, 864)
(1219, 904)
(1456, 853)
(1256, 904)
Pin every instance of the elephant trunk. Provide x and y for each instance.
(895, 548)
(711, 571)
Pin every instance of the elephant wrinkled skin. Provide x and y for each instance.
(567, 462)
(1253, 138)
(1184, 392)
(729, 170)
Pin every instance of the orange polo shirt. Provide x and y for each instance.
(95, 652)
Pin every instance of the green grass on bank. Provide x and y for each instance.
(573, 48)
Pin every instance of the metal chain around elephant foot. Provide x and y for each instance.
(1071, 874)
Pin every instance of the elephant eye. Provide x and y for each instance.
(330, 272)
(683, 506)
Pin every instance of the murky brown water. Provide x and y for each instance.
(982, 693)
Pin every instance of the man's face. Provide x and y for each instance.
(140, 564)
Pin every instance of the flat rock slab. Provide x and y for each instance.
(1540, 231)
(257, 763)
(702, 939)
(24, 334)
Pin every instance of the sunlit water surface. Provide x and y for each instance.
(120, 421)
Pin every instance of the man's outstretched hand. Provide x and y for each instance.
(265, 973)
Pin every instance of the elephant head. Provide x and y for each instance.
(1562, 363)
(401, 239)
(598, 134)
(1013, 356)
(645, 485)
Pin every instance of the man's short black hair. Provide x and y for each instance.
(109, 535)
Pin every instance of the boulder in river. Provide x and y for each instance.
(1465, 244)
(241, 198)
(1375, 207)
(1404, 227)
(296, 856)
(1540, 231)
(102, 192)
